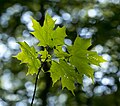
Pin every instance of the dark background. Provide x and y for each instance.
(96, 19)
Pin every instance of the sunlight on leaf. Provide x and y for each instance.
(29, 55)
(69, 65)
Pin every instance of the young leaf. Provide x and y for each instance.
(29, 55)
(60, 53)
(44, 54)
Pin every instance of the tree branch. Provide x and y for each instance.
(37, 81)
(36, 84)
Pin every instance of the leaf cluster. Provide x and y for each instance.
(68, 65)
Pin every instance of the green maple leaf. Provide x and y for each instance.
(43, 33)
(46, 33)
(44, 54)
(81, 58)
(67, 74)
(29, 55)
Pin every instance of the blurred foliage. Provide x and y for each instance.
(98, 19)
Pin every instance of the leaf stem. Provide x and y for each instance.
(37, 81)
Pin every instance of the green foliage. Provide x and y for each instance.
(29, 55)
(46, 34)
(81, 57)
(68, 66)
(67, 74)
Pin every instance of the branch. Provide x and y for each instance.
(36, 84)
(37, 81)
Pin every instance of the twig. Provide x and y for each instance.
(36, 85)
(36, 82)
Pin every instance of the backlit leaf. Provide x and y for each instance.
(46, 34)
(67, 74)
(29, 55)
(81, 58)
(44, 54)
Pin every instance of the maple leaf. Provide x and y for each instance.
(81, 58)
(46, 33)
(44, 54)
(67, 74)
(29, 55)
